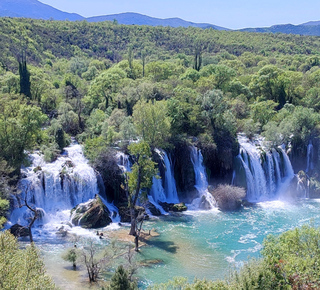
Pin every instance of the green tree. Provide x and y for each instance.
(21, 268)
(139, 180)
(120, 280)
(20, 128)
(25, 85)
(294, 256)
(72, 255)
(152, 122)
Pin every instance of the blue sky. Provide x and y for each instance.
(227, 13)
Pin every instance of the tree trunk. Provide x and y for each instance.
(133, 222)
(136, 242)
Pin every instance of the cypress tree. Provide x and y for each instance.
(120, 280)
(24, 79)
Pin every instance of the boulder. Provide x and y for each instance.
(19, 231)
(91, 214)
(178, 207)
(228, 198)
(153, 210)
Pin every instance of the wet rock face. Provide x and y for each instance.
(178, 207)
(19, 231)
(183, 170)
(91, 214)
(153, 210)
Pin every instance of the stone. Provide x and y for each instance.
(179, 207)
(153, 210)
(91, 214)
(19, 231)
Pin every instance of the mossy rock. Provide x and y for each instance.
(178, 207)
(36, 169)
(92, 214)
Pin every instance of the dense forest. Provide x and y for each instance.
(108, 84)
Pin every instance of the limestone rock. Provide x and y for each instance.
(178, 207)
(91, 214)
(19, 231)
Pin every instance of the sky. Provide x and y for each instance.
(233, 14)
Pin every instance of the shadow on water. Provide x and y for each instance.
(167, 246)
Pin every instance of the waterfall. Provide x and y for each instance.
(205, 199)
(123, 161)
(55, 188)
(309, 157)
(168, 193)
(268, 171)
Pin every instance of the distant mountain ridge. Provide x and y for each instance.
(37, 10)
(130, 18)
(34, 9)
(302, 29)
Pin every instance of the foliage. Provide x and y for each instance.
(72, 255)
(152, 122)
(19, 129)
(120, 280)
(21, 268)
(293, 257)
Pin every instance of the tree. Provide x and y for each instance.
(20, 128)
(21, 268)
(152, 122)
(4, 191)
(138, 181)
(25, 85)
(72, 256)
(294, 256)
(120, 280)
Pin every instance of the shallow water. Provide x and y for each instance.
(202, 244)
(210, 244)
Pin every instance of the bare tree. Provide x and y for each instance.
(32, 209)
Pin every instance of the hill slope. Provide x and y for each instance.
(303, 29)
(34, 9)
(130, 18)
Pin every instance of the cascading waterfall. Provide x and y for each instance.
(55, 188)
(205, 199)
(168, 193)
(268, 172)
(309, 157)
(123, 162)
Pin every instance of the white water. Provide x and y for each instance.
(267, 173)
(57, 187)
(168, 193)
(205, 199)
(309, 157)
(123, 162)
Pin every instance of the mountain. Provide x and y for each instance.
(37, 10)
(311, 23)
(34, 9)
(302, 29)
(130, 18)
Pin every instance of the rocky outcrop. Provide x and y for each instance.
(228, 198)
(91, 214)
(153, 210)
(19, 231)
(178, 207)
(183, 171)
